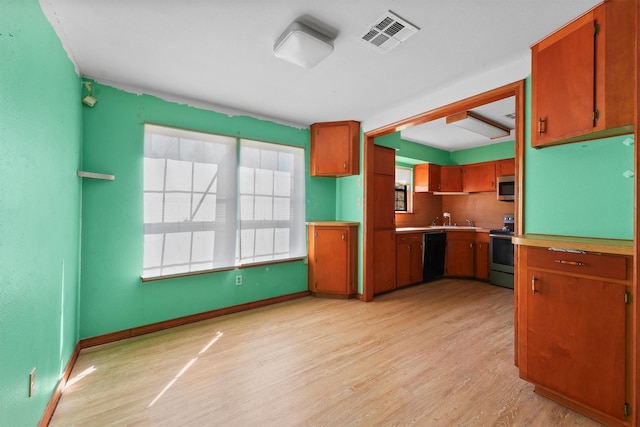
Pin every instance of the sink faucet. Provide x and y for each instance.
(447, 215)
(469, 222)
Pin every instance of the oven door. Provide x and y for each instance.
(501, 253)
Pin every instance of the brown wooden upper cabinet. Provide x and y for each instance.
(426, 177)
(335, 148)
(451, 178)
(506, 167)
(479, 177)
(582, 82)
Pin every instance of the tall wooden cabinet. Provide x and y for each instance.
(572, 328)
(581, 77)
(384, 236)
(335, 149)
(333, 258)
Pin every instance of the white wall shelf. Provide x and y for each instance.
(93, 175)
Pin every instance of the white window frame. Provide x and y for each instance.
(192, 203)
(404, 176)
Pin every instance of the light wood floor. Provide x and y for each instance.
(437, 354)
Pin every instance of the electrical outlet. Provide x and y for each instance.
(32, 382)
(238, 280)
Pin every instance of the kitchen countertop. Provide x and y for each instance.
(440, 228)
(588, 244)
(333, 223)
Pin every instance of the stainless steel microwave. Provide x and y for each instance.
(506, 188)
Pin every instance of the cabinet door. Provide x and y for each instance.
(451, 178)
(563, 72)
(506, 167)
(384, 202)
(335, 148)
(478, 177)
(576, 339)
(384, 261)
(426, 177)
(482, 256)
(331, 258)
(384, 160)
(416, 254)
(403, 260)
(460, 257)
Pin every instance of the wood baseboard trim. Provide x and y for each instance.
(584, 410)
(57, 393)
(172, 323)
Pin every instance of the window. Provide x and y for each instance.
(213, 201)
(403, 189)
(401, 197)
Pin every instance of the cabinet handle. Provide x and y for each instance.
(342, 236)
(345, 165)
(533, 285)
(542, 126)
(576, 263)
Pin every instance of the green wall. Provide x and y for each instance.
(40, 136)
(486, 153)
(578, 189)
(112, 295)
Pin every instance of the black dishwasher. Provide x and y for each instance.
(433, 257)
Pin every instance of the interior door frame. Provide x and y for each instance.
(516, 89)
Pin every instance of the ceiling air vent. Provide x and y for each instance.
(388, 32)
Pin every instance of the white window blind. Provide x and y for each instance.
(194, 219)
(271, 202)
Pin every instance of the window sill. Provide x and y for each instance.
(217, 270)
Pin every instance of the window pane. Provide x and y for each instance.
(177, 249)
(177, 207)
(272, 221)
(204, 207)
(264, 182)
(178, 176)
(204, 177)
(264, 242)
(263, 208)
(153, 207)
(202, 247)
(189, 201)
(282, 184)
(282, 209)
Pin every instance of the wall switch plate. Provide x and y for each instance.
(238, 280)
(32, 382)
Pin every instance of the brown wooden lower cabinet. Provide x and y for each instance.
(460, 253)
(408, 259)
(333, 259)
(384, 267)
(573, 329)
(482, 256)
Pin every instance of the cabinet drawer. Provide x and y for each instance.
(610, 266)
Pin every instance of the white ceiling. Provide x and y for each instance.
(217, 54)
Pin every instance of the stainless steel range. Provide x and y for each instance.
(501, 254)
